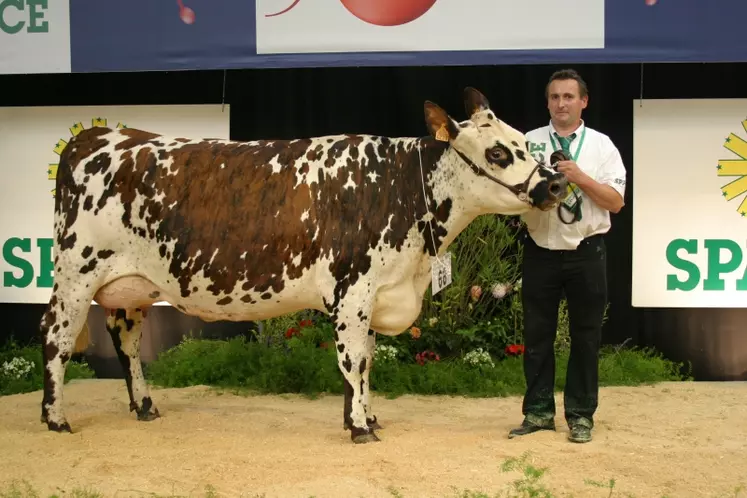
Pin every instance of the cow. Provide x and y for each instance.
(244, 231)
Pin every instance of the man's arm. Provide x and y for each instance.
(608, 192)
(602, 194)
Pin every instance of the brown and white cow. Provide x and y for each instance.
(227, 230)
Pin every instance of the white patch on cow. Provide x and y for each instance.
(350, 183)
(305, 215)
(215, 253)
(373, 176)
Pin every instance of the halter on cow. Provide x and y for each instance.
(228, 230)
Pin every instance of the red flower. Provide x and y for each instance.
(514, 349)
(426, 356)
(291, 332)
(305, 323)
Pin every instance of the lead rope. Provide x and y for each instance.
(427, 206)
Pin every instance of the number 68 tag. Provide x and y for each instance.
(440, 273)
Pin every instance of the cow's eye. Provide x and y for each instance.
(496, 154)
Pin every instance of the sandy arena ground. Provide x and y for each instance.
(431, 446)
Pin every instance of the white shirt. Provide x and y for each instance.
(598, 158)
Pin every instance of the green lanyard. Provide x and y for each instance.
(578, 149)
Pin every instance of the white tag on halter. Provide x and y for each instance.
(440, 273)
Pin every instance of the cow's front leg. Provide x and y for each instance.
(371, 419)
(354, 357)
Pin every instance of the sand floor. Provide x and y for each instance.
(678, 440)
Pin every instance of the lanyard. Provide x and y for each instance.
(578, 149)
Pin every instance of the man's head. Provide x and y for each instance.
(567, 96)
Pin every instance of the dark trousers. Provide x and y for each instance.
(581, 275)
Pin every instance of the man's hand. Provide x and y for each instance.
(603, 195)
(572, 172)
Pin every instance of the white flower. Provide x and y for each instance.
(17, 368)
(432, 321)
(385, 353)
(500, 290)
(478, 357)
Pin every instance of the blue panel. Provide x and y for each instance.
(142, 35)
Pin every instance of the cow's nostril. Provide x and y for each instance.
(555, 189)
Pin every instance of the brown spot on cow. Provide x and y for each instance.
(87, 251)
(136, 138)
(104, 254)
(89, 266)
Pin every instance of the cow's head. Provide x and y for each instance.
(499, 173)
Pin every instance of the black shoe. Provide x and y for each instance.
(535, 425)
(580, 431)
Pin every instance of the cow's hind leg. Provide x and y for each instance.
(61, 323)
(125, 329)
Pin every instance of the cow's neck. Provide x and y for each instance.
(444, 173)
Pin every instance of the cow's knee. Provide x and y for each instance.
(125, 329)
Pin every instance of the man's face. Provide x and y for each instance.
(564, 102)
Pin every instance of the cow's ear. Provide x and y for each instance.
(440, 125)
(474, 101)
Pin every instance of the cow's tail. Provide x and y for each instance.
(81, 343)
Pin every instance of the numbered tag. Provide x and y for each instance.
(440, 273)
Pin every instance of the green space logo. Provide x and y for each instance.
(20, 253)
(29, 14)
(716, 265)
(735, 168)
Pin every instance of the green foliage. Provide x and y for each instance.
(482, 306)
(22, 369)
(306, 362)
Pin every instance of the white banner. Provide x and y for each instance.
(34, 36)
(318, 26)
(31, 139)
(690, 203)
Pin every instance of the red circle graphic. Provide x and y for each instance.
(380, 12)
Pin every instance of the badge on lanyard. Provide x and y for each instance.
(572, 200)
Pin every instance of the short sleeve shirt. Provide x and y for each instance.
(597, 157)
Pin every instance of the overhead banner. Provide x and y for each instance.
(34, 36)
(31, 140)
(149, 35)
(690, 203)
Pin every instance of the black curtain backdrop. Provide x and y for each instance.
(306, 102)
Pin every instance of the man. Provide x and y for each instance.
(564, 254)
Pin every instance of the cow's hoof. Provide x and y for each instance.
(63, 427)
(148, 416)
(146, 412)
(361, 436)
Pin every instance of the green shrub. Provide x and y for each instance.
(306, 362)
(22, 369)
